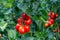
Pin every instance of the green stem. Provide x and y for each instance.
(43, 19)
(31, 33)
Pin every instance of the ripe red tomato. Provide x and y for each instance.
(28, 17)
(56, 15)
(24, 15)
(21, 30)
(49, 22)
(52, 15)
(20, 20)
(17, 26)
(27, 28)
(52, 21)
(28, 22)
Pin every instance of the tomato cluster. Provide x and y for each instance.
(23, 25)
(51, 19)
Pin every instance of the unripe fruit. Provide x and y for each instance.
(47, 25)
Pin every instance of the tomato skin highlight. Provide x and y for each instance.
(27, 28)
(21, 30)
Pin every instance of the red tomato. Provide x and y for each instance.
(27, 28)
(52, 21)
(17, 26)
(52, 15)
(24, 15)
(21, 30)
(56, 15)
(20, 20)
(28, 22)
(49, 22)
(28, 17)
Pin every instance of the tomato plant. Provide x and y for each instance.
(29, 19)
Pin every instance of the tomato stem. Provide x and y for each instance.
(43, 19)
(31, 33)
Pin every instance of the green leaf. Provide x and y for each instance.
(11, 34)
(30, 38)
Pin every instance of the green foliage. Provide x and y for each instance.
(11, 10)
